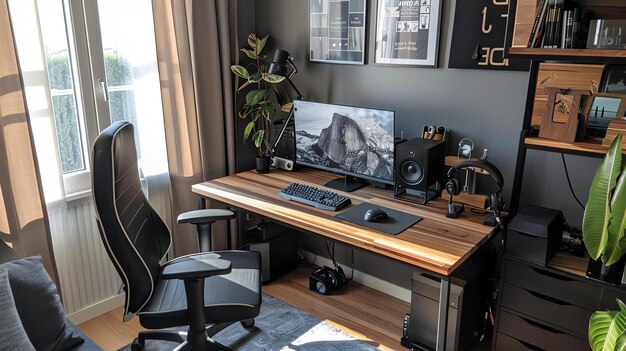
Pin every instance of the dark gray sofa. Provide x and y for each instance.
(46, 309)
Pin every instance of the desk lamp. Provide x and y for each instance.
(279, 67)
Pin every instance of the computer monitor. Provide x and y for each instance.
(353, 141)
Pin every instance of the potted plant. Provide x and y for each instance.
(259, 108)
(606, 329)
(604, 221)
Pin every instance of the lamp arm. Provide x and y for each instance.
(282, 131)
(294, 71)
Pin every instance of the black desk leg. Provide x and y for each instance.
(442, 325)
(201, 203)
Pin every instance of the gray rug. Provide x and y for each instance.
(280, 327)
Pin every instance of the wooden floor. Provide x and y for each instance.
(361, 311)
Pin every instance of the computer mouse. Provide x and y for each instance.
(375, 215)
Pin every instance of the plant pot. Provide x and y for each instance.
(609, 274)
(262, 164)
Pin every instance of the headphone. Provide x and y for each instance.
(495, 201)
(325, 280)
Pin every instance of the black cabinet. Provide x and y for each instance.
(543, 308)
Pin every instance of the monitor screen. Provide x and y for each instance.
(349, 140)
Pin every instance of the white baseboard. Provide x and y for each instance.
(97, 309)
(366, 279)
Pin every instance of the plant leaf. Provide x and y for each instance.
(240, 71)
(245, 84)
(252, 39)
(248, 130)
(605, 327)
(272, 78)
(255, 96)
(255, 78)
(621, 305)
(616, 245)
(620, 344)
(287, 107)
(261, 44)
(258, 137)
(597, 212)
(249, 53)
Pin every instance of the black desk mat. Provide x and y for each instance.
(394, 224)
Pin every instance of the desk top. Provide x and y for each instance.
(436, 243)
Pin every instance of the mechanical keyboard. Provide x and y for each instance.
(316, 197)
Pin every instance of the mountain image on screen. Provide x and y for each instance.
(353, 144)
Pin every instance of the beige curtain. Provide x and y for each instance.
(23, 219)
(194, 40)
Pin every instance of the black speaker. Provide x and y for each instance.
(419, 165)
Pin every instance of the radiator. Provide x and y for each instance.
(86, 274)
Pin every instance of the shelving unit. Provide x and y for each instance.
(548, 307)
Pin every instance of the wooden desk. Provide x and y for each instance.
(435, 244)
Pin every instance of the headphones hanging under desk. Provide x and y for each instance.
(495, 201)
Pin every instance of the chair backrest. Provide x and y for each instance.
(134, 235)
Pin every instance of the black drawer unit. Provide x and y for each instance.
(546, 282)
(543, 308)
(528, 332)
(546, 308)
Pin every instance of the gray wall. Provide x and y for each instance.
(486, 106)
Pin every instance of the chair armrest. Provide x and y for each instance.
(205, 216)
(196, 267)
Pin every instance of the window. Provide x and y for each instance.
(100, 58)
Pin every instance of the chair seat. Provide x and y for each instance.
(234, 296)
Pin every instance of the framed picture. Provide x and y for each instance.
(337, 31)
(614, 80)
(407, 32)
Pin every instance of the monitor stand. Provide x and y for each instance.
(347, 183)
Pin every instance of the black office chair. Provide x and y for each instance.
(206, 291)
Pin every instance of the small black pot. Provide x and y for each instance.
(609, 274)
(262, 164)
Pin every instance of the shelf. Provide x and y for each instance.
(567, 262)
(578, 148)
(581, 55)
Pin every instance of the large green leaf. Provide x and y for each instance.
(597, 212)
(620, 344)
(248, 130)
(617, 226)
(255, 96)
(240, 71)
(605, 328)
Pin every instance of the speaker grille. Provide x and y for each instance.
(411, 172)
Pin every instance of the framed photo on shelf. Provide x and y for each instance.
(337, 31)
(407, 32)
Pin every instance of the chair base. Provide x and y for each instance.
(200, 341)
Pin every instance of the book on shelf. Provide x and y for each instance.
(555, 27)
(536, 33)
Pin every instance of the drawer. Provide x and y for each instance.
(546, 308)
(507, 343)
(551, 284)
(537, 334)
